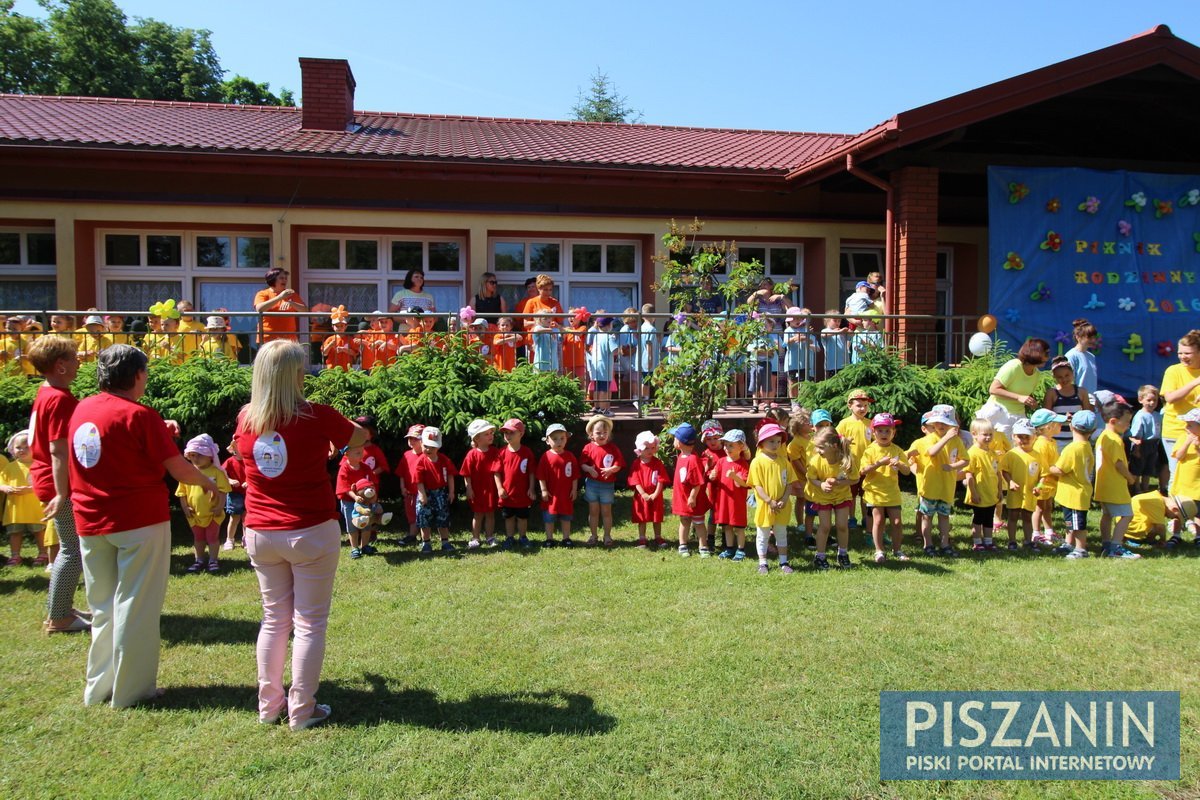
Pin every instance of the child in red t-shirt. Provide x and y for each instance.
(406, 471)
(351, 470)
(513, 474)
(689, 498)
(710, 436)
(435, 475)
(647, 478)
(476, 471)
(600, 462)
(235, 501)
(558, 476)
(730, 489)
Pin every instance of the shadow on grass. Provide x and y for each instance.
(534, 713)
(188, 629)
(29, 583)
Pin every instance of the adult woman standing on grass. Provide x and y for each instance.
(119, 452)
(1018, 379)
(1180, 390)
(291, 529)
(57, 360)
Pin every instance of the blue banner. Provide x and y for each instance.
(1121, 249)
(1029, 736)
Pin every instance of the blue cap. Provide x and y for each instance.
(685, 433)
(1044, 416)
(819, 416)
(1083, 421)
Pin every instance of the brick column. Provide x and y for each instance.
(916, 192)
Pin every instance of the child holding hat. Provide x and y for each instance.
(558, 478)
(647, 478)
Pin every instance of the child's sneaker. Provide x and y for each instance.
(853, 522)
(228, 545)
(979, 547)
(661, 543)
(727, 553)
(786, 568)
(446, 546)
(1063, 550)
(1121, 552)
(410, 539)
(705, 552)
(820, 564)
(473, 544)
(548, 543)
(1074, 554)
(810, 542)
(683, 551)
(195, 569)
(1013, 546)
(763, 569)
(523, 541)
(990, 547)
(900, 555)
(843, 561)
(739, 555)
(369, 550)
(642, 544)
(880, 557)
(931, 551)
(947, 552)
(426, 547)
(508, 544)
(214, 567)
(1174, 542)
(568, 542)
(491, 542)
(355, 552)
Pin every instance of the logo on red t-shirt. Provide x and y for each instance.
(270, 454)
(567, 470)
(86, 445)
(524, 465)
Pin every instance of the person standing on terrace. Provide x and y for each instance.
(543, 303)
(278, 297)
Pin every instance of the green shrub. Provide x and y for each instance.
(16, 401)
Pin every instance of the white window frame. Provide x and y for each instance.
(383, 276)
(565, 276)
(24, 271)
(187, 273)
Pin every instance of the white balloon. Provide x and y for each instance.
(980, 344)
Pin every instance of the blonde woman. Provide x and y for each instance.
(291, 529)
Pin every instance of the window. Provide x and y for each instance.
(213, 269)
(597, 274)
(782, 261)
(855, 264)
(363, 272)
(27, 269)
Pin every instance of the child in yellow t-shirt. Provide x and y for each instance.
(1150, 514)
(937, 459)
(1113, 479)
(204, 513)
(1019, 470)
(799, 448)
(770, 479)
(1075, 469)
(1047, 425)
(1001, 444)
(856, 430)
(881, 465)
(830, 473)
(982, 480)
(22, 511)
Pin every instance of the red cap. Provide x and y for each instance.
(415, 432)
(513, 424)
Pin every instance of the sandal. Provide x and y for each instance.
(196, 568)
(214, 567)
(15, 561)
(76, 625)
(41, 561)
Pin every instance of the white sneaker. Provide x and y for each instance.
(228, 545)
(880, 557)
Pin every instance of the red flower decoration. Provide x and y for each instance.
(1053, 242)
(1054, 205)
(1165, 349)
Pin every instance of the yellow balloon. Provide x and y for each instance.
(987, 323)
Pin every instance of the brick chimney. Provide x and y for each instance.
(326, 94)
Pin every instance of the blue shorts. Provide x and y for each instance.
(595, 491)
(554, 519)
(931, 507)
(235, 504)
(1075, 520)
(436, 512)
(1117, 509)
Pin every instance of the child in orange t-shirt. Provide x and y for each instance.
(340, 349)
(504, 345)
(574, 351)
(378, 345)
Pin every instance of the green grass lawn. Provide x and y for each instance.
(596, 673)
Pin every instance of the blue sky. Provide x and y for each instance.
(800, 66)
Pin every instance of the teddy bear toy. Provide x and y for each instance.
(366, 510)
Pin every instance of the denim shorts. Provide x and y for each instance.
(931, 507)
(1116, 510)
(235, 504)
(595, 491)
(1075, 520)
(554, 519)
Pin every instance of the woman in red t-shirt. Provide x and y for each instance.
(120, 450)
(292, 534)
(56, 359)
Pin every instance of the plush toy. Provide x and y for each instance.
(367, 511)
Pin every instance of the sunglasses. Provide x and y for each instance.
(490, 283)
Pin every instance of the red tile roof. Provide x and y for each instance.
(176, 126)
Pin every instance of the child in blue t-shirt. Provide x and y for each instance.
(834, 338)
(547, 344)
(602, 349)
(1147, 456)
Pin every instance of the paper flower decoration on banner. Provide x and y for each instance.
(1163, 208)
(165, 310)
(1133, 348)
(339, 314)
(1014, 262)
(1064, 337)
(1196, 239)
(1053, 205)
(1126, 304)
(1013, 315)
(1040, 293)
(1052, 242)
(1192, 198)
(1165, 349)
(1124, 228)
(1093, 303)
(1017, 192)
(1090, 205)
(1137, 201)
